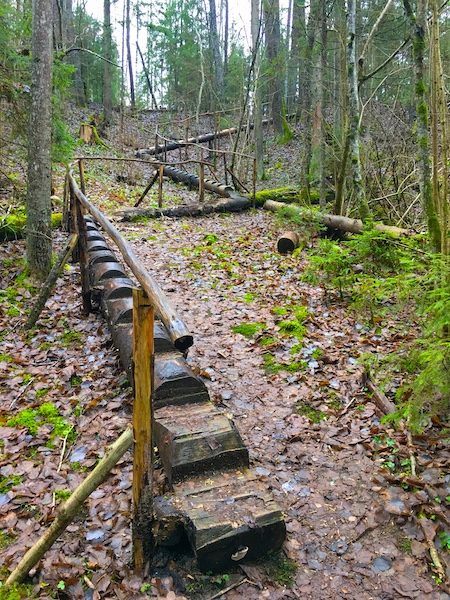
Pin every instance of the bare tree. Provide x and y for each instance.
(272, 32)
(257, 107)
(39, 243)
(129, 57)
(215, 49)
(107, 74)
(353, 117)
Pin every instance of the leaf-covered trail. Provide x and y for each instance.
(307, 423)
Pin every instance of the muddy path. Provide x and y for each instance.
(295, 393)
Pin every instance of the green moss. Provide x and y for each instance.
(248, 330)
(313, 414)
(6, 358)
(281, 569)
(62, 495)
(8, 482)
(41, 393)
(249, 297)
(282, 194)
(16, 592)
(5, 539)
(47, 414)
(267, 341)
(69, 338)
(12, 225)
(405, 545)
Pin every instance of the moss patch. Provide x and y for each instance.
(248, 330)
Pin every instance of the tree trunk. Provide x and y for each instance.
(354, 109)
(225, 39)
(317, 178)
(74, 57)
(215, 51)
(296, 62)
(147, 76)
(272, 30)
(107, 71)
(39, 241)
(257, 107)
(305, 96)
(129, 57)
(418, 24)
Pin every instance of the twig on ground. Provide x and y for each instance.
(229, 588)
(21, 393)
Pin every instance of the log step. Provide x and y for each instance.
(229, 518)
(175, 383)
(197, 438)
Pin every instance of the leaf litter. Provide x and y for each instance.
(297, 400)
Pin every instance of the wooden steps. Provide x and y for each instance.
(229, 517)
(197, 438)
(227, 514)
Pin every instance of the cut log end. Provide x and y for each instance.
(184, 342)
(288, 242)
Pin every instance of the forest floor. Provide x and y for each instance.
(298, 400)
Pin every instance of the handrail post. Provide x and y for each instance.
(201, 179)
(143, 357)
(83, 258)
(254, 182)
(82, 179)
(225, 168)
(160, 186)
(66, 202)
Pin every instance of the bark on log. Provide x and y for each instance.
(177, 329)
(69, 509)
(288, 242)
(339, 222)
(50, 281)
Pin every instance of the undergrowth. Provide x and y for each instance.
(377, 276)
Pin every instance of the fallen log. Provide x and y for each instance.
(177, 329)
(288, 242)
(71, 506)
(233, 201)
(223, 205)
(339, 222)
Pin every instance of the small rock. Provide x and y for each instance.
(340, 547)
(381, 564)
(262, 471)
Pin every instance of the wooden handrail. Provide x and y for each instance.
(178, 331)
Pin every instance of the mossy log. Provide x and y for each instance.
(223, 205)
(339, 222)
(13, 225)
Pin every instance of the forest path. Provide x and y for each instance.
(221, 272)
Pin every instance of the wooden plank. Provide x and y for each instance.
(197, 438)
(143, 317)
(230, 517)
